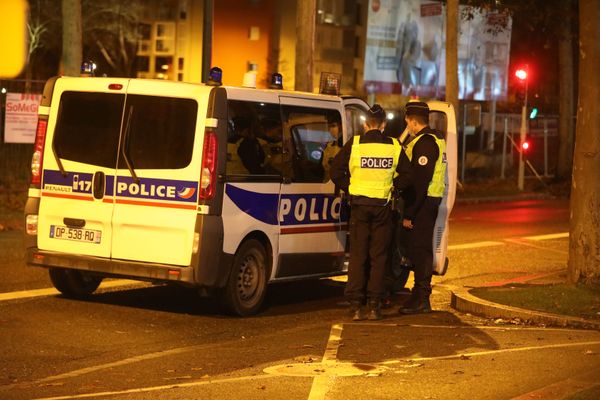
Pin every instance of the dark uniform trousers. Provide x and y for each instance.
(420, 247)
(370, 236)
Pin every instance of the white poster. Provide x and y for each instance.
(20, 117)
(405, 50)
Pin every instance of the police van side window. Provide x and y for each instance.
(161, 132)
(354, 121)
(87, 128)
(254, 141)
(315, 135)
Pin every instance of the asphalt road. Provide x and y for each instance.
(161, 342)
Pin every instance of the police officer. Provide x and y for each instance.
(365, 168)
(426, 152)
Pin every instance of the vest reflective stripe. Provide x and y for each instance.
(437, 185)
(372, 168)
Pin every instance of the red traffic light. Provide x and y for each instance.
(521, 74)
(525, 145)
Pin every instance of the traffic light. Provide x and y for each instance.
(525, 146)
(521, 92)
(534, 112)
(521, 74)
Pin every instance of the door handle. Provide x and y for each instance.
(99, 183)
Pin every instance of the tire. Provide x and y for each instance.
(72, 283)
(247, 285)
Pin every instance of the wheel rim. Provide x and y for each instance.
(249, 280)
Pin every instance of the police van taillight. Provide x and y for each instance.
(38, 152)
(208, 176)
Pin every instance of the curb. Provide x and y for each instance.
(464, 301)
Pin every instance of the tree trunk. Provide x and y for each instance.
(566, 132)
(71, 48)
(452, 53)
(584, 241)
(305, 44)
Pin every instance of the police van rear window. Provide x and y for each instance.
(161, 131)
(87, 128)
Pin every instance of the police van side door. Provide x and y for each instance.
(79, 162)
(442, 117)
(156, 188)
(310, 236)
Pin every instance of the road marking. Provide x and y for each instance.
(548, 237)
(206, 381)
(519, 279)
(27, 294)
(321, 384)
(522, 242)
(563, 389)
(512, 350)
(474, 245)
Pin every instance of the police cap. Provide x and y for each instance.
(417, 108)
(376, 114)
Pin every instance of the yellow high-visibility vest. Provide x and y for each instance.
(372, 168)
(437, 185)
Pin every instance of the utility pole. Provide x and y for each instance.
(452, 53)
(71, 38)
(207, 31)
(521, 74)
(306, 13)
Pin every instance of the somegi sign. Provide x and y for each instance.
(21, 114)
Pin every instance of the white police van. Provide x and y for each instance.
(218, 188)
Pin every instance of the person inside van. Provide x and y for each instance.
(332, 147)
(271, 142)
(244, 152)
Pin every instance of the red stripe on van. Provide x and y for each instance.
(310, 229)
(156, 204)
(67, 196)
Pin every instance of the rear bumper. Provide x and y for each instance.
(113, 268)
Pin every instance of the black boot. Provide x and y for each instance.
(374, 309)
(357, 311)
(411, 302)
(417, 304)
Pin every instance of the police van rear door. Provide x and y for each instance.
(156, 187)
(79, 161)
(311, 240)
(442, 118)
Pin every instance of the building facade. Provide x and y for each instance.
(252, 35)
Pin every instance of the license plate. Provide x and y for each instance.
(76, 234)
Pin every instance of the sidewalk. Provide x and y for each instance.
(462, 300)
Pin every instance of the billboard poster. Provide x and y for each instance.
(20, 117)
(405, 50)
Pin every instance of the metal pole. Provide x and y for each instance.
(207, 31)
(545, 147)
(523, 134)
(490, 143)
(502, 176)
(464, 146)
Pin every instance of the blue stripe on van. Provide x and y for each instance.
(157, 189)
(72, 182)
(294, 209)
(147, 188)
(261, 206)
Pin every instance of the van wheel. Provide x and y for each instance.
(245, 291)
(74, 283)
